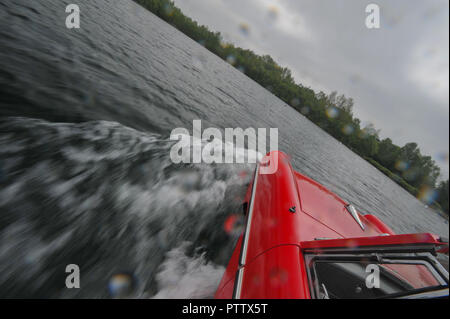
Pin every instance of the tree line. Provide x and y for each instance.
(406, 165)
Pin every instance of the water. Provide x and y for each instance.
(85, 174)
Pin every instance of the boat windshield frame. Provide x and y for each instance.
(412, 255)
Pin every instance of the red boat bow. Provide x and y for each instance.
(290, 217)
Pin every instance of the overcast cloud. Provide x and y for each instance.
(398, 75)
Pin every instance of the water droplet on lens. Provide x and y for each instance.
(244, 28)
(273, 13)
(304, 110)
(121, 285)
(231, 59)
(295, 102)
(332, 112)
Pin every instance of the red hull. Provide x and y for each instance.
(287, 215)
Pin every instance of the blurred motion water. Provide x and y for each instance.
(85, 174)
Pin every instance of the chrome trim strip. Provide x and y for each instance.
(352, 210)
(239, 284)
(243, 257)
(249, 219)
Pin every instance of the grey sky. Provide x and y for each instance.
(398, 75)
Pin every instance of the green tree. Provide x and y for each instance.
(388, 153)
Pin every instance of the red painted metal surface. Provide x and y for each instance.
(291, 211)
(276, 225)
(407, 239)
(443, 249)
(376, 222)
(327, 208)
(275, 275)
